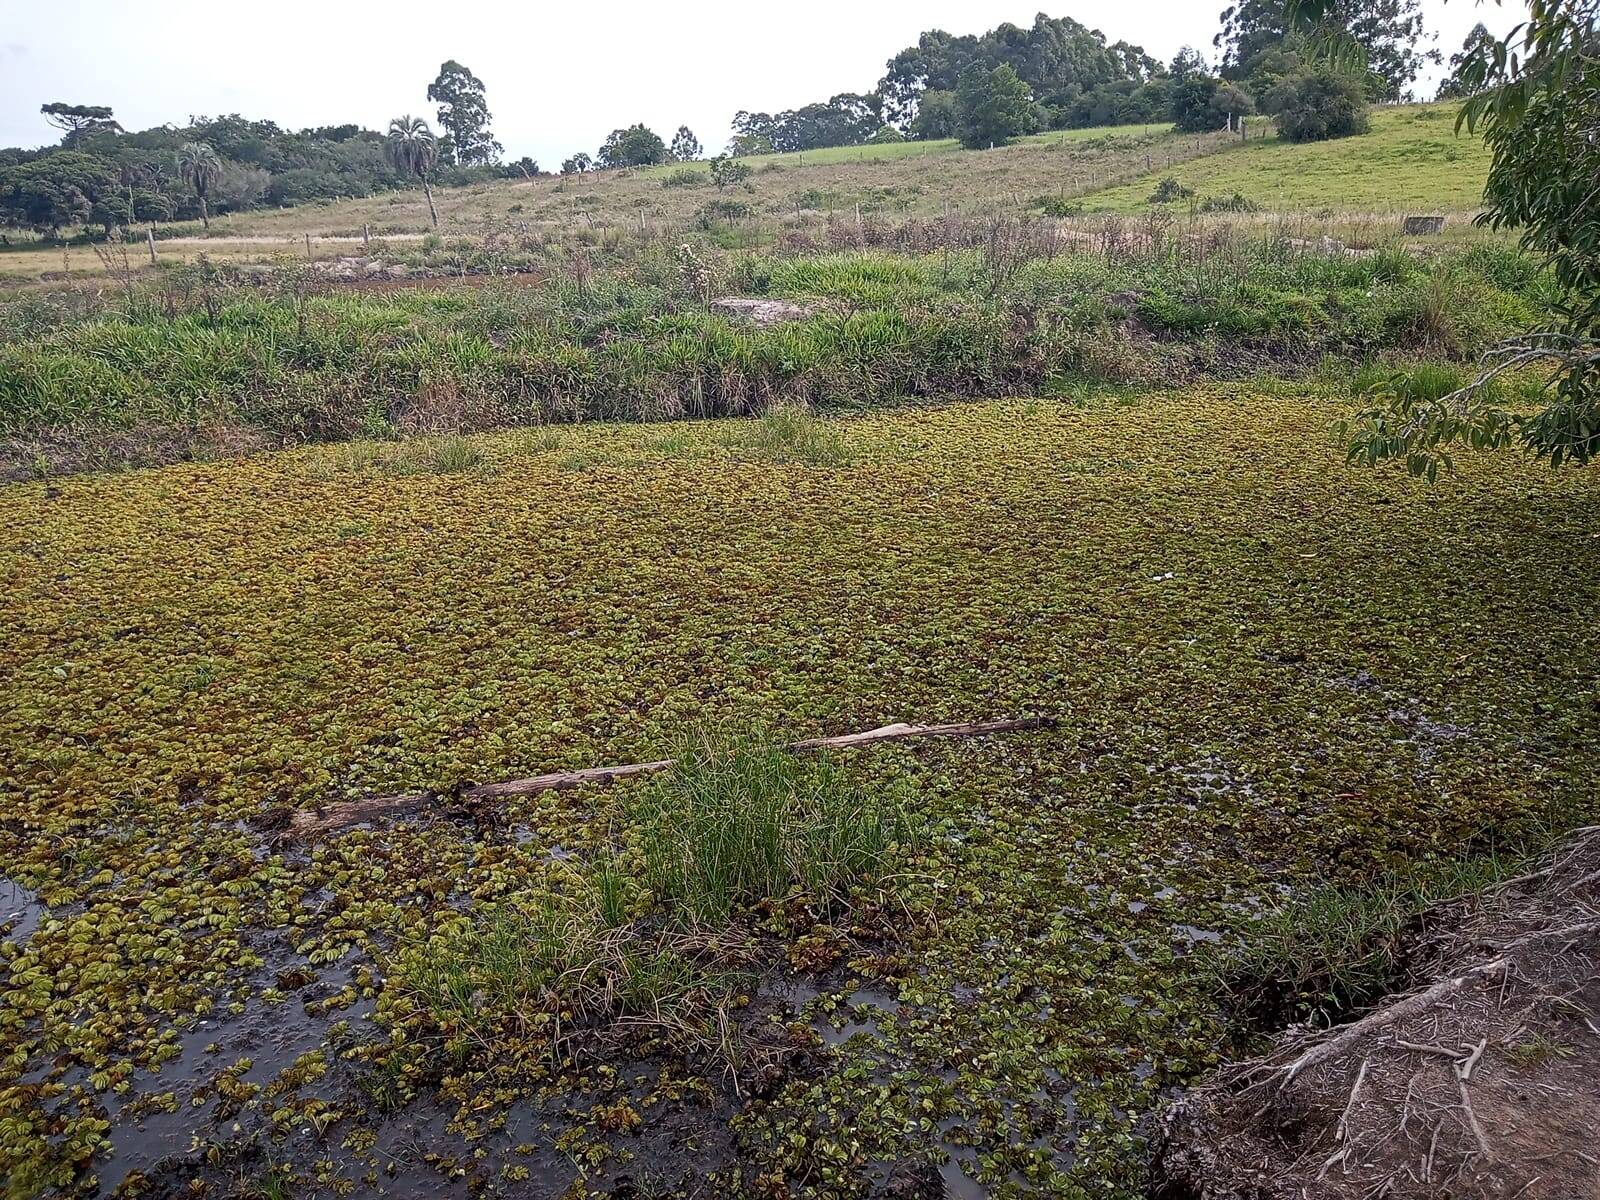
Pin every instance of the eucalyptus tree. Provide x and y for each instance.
(463, 115)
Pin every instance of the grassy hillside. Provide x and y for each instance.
(910, 177)
(832, 155)
(1412, 159)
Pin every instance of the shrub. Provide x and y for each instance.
(1168, 190)
(721, 210)
(684, 177)
(1318, 106)
(815, 198)
(1059, 206)
(728, 172)
(1236, 203)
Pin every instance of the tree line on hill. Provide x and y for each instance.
(983, 89)
(1058, 74)
(101, 174)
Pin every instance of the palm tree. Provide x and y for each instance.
(200, 168)
(413, 150)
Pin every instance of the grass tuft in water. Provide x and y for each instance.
(738, 820)
(789, 434)
(551, 963)
(424, 456)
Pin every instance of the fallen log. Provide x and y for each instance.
(334, 817)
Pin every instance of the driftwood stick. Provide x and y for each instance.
(357, 812)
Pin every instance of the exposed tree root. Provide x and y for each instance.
(1484, 1081)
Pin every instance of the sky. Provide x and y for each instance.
(559, 77)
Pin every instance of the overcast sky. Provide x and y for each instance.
(559, 76)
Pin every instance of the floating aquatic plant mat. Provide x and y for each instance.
(1266, 670)
(1483, 1081)
(357, 812)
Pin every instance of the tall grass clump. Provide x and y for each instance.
(867, 278)
(555, 965)
(790, 434)
(1337, 947)
(738, 820)
(423, 456)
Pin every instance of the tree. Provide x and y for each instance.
(140, 195)
(760, 129)
(1193, 104)
(77, 121)
(1536, 97)
(742, 145)
(992, 106)
(1187, 64)
(847, 119)
(635, 146)
(1059, 59)
(685, 146)
(936, 116)
(577, 164)
(414, 151)
(1387, 31)
(1318, 106)
(240, 186)
(1230, 105)
(61, 189)
(463, 115)
(200, 168)
(320, 163)
(1479, 45)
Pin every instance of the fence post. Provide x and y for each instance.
(366, 236)
(308, 248)
(150, 232)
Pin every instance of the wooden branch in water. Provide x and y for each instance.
(357, 812)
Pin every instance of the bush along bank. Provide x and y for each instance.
(297, 359)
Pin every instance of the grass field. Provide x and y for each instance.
(890, 151)
(1411, 161)
(1258, 681)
